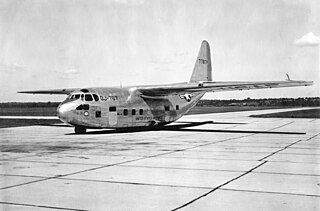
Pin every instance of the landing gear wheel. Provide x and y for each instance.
(80, 130)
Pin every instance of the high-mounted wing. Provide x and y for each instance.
(51, 92)
(209, 86)
(201, 81)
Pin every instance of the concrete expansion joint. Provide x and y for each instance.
(308, 139)
(285, 147)
(40, 180)
(41, 206)
(281, 126)
(220, 186)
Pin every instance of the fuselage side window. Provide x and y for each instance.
(133, 111)
(140, 111)
(96, 98)
(112, 108)
(166, 108)
(177, 107)
(88, 97)
(125, 112)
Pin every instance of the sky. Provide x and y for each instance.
(79, 43)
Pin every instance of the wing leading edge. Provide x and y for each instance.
(205, 86)
(51, 92)
(209, 86)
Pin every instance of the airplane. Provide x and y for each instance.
(147, 106)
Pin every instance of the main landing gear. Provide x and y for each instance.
(80, 130)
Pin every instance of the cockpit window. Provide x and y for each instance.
(74, 96)
(96, 98)
(88, 97)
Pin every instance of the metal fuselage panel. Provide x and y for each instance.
(123, 108)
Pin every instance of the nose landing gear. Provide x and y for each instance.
(80, 130)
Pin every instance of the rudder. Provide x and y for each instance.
(202, 70)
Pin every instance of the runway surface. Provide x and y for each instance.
(222, 165)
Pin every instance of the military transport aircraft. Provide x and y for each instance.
(147, 106)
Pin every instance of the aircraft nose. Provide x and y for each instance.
(64, 111)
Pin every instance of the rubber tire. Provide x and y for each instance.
(80, 130)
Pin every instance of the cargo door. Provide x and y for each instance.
(113, 118)
(167, 113)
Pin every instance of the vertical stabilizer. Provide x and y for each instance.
(202, 68)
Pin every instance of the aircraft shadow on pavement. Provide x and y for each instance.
(184, 127)
(55, 125)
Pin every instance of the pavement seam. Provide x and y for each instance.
(218, 187)
(26, 183)
(281, 161)
(236, 152)
(308, 139)
(18, 175)
(293, 174)
(242, 131)
(40, 206)
(135, 183)
(270, 192)
(51, 162)
(258, 172)
(275, 152)
(289, 123)
(163, 167)
(286, 147)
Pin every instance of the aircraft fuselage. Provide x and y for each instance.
(123, 108)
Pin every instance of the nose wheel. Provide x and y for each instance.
(80, 130)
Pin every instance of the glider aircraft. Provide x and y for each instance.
(148, 106)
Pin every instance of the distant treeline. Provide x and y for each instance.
(29, 105)
(301, 101)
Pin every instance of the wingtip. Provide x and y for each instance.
(21, 92)
(288, 77)
(310, 83)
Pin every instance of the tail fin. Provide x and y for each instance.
(202, 68)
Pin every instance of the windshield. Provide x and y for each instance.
(85, 97)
